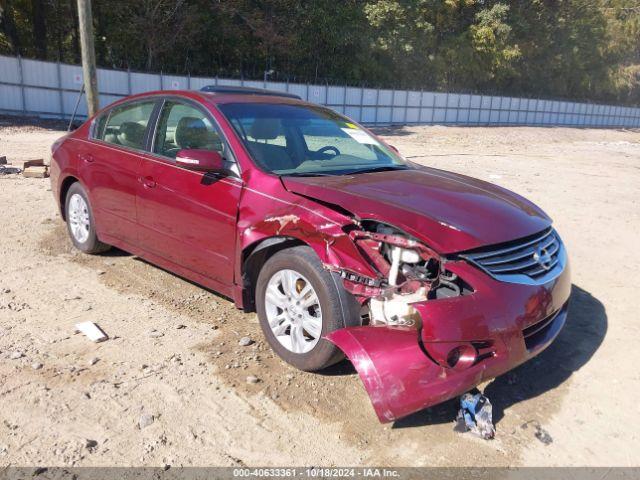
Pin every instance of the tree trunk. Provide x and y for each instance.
(76, 34)
(8, 25)
(38, 15)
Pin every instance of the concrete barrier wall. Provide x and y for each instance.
(51, 89)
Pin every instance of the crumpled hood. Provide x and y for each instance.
(447, 211)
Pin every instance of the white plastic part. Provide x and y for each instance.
(399, 255)
(396, 309)
(396, 253)
(409, 256)
(92, 331)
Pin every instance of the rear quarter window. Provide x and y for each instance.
(98, 126)
(126, 125)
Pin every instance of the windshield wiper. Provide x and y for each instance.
(385, 168)
(306, 174)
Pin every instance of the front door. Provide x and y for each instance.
(188, 217)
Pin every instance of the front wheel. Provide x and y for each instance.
(298, 303)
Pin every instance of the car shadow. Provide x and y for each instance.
(116, 252)
(580, 338)
(391, 131)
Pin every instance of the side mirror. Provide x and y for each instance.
(200, 160)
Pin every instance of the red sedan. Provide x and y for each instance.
(428, 281)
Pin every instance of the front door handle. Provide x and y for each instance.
(86, 157)
(148, 182)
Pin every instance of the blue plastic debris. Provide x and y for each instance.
(475, 416)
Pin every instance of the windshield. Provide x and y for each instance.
(307, 140)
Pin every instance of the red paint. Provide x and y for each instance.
(200, 225)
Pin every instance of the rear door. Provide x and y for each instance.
(110, 167)
(185, 216)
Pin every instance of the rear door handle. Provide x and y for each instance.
(86, 157)
(148, 182)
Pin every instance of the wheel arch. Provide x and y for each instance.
(64, 188)
(254, 256)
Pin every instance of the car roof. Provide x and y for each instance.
(215, 98)
(230, 89)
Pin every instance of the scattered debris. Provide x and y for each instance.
(36, 172)
(245, 342)
(35, 169)
(145, 420)
(16, 355)
(252, 379)
(101, 272)
(180, 327)
(90, 445)
(39, 162)
(92, 331)
(6, 290)
(36, 366)
(155, 334)
(93, 361)
(6, 170)
(475, 415)
(541, 434)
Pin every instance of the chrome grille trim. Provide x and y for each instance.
(533, 261)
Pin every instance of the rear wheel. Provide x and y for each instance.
(80, 221)
(298, 302)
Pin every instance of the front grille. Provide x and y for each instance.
(534, 259)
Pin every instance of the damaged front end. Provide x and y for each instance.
(433, 327)
(407, 272)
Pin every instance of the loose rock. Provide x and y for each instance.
(145, 420)
(252, 379)
(94, 360)
(16, 355)
(245, 342)
(155, 334)
(36, 366)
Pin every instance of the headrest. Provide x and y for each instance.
(191, 132)
(131, 134)
(265, 128)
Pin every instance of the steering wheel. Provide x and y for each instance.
(328, 148)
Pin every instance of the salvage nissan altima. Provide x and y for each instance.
(429, 282)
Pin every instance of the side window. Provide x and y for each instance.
(182, 126)
(127, 124)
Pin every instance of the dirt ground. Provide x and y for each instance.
(169, 386)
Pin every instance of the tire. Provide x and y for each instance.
(337, 308)
(80, 222)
